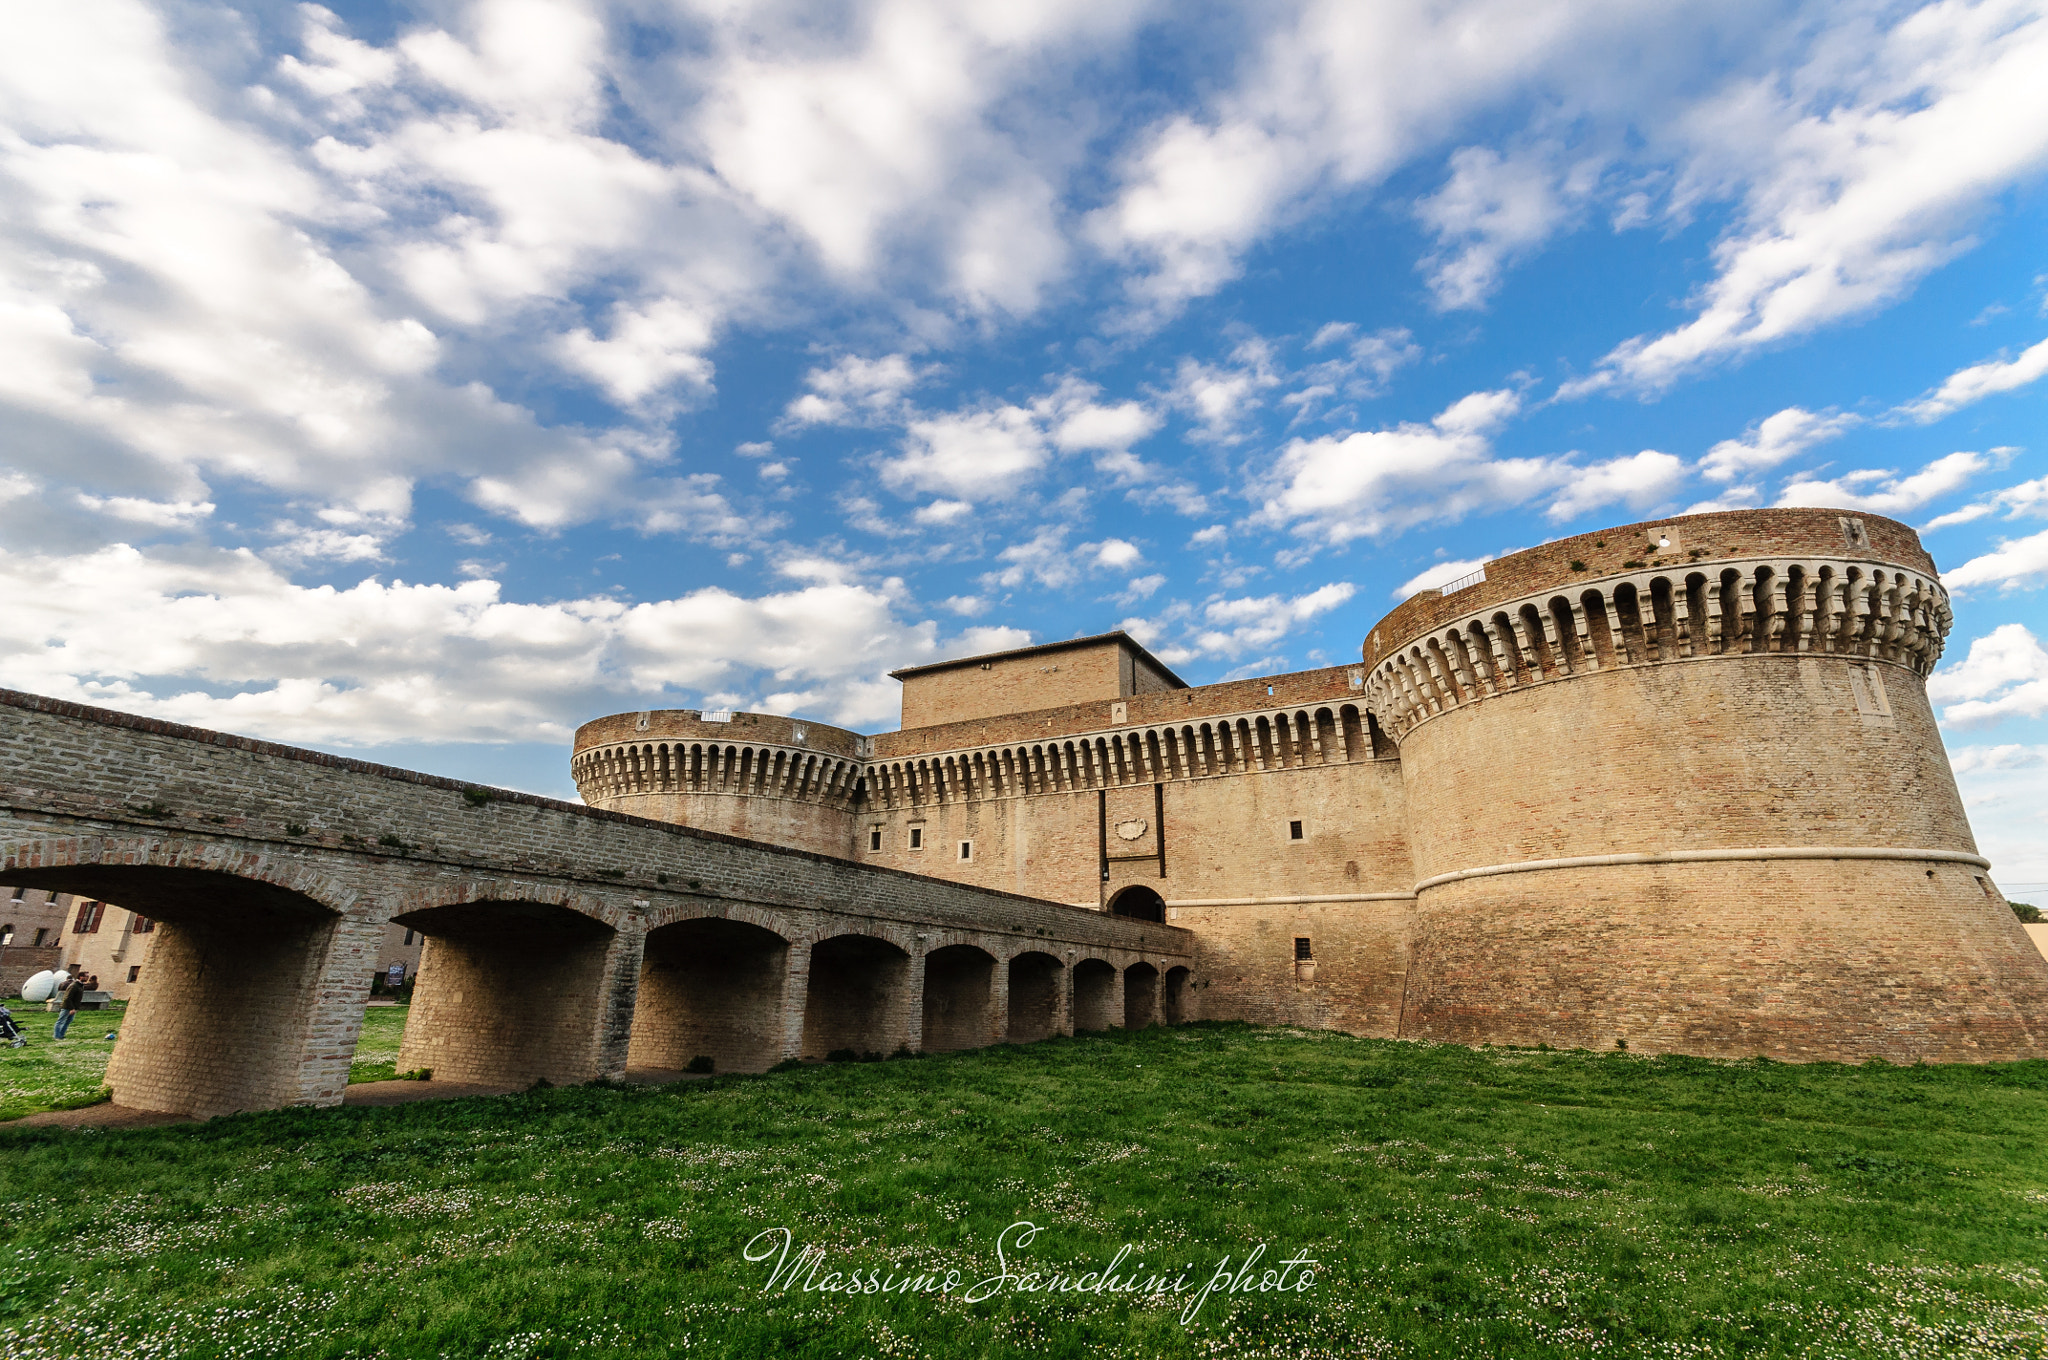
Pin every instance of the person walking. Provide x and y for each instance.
(74, 997)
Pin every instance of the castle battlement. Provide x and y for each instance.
(1675, 783)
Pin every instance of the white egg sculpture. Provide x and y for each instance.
(40, 986)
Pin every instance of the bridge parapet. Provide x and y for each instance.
(269, 866)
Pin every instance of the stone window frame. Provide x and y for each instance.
(1297, 830)
(967, 851)
(915, 840)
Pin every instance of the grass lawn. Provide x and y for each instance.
(1498, 1202)
(48, 1075)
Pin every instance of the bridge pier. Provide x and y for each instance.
(245, 1016)
(1177, 996)
(959, 991)
(1098, 996)
(1141, 996)
(510, 993)
(861, 995)
(1034, 1005)
(717, 989)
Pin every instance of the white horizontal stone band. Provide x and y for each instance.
(1283, 901)
(1709, 857)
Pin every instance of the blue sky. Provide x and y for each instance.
(420, 381)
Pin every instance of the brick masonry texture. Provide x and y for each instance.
(1754, 687)
(276, 873)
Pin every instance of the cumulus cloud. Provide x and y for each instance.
(1492, 209)
(2013, 563)
(1967, 386)
(857, 391)
(1046, 560)
(1856, 175)
(226, 640)
(1882, 491)
(1430, 578)
(2026, 499)
(1230, 628)
(1639, 481)
(1222, 397)
(2004, 676)
(1360, 371)
(969, 456)
(1770, 442)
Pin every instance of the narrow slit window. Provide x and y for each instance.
(875, 838)
(1302, 952)
(1294, 831)
(408, 937)
(134, 971)
(967, 850)
(917, 838)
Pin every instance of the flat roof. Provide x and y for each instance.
(1115, 635)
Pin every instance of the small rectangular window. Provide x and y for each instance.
(967, 849)
(20, 893)
(1294, 831)
(1302, 953)
(917, 838)
(143, 925)
(88, 921)
(875, 839)
(42, 933)
(408, 937)
(134, 971)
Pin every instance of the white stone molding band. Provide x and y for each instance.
(1760, 852)
(1288, 901)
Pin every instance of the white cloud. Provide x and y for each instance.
(2028, 498)
(652, 350)
(2004, 676)
(2013, 563)
(1223, 396)
(1969, 760)
(1882, 491)
(1639, 480)
(1231, 628)
(1857, 174)
(1771, 441)
(1432, 577)
(1969, 385)
(1378, 482)
(1116, 553)
(857, 391)
(160, 514)
(1492, 210)
(1359, 374)
(969, 456)
(224, 640)
(1336, 96)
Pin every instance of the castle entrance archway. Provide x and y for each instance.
(710, 988)
(1139, 903)
(856, 998)
(958, 985)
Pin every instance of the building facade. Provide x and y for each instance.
(1674, 786)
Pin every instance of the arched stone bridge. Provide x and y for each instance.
(563, 942)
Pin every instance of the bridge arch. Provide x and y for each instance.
(711, 987)
(959, 989)
(856, 997)
(1141, 996)
(1034, 997)
(1097, 1003)
(252, 994)
(506, 992)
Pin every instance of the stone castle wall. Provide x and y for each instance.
(1719, 723)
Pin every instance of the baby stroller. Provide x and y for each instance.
(10, 1031)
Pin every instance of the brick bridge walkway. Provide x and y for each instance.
(562, 942)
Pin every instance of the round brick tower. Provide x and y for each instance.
(756, 775)
(1677, 786)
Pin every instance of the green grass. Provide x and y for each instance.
(53, 1075)
(1498, 1202)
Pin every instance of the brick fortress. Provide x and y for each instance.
(1675, 785)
